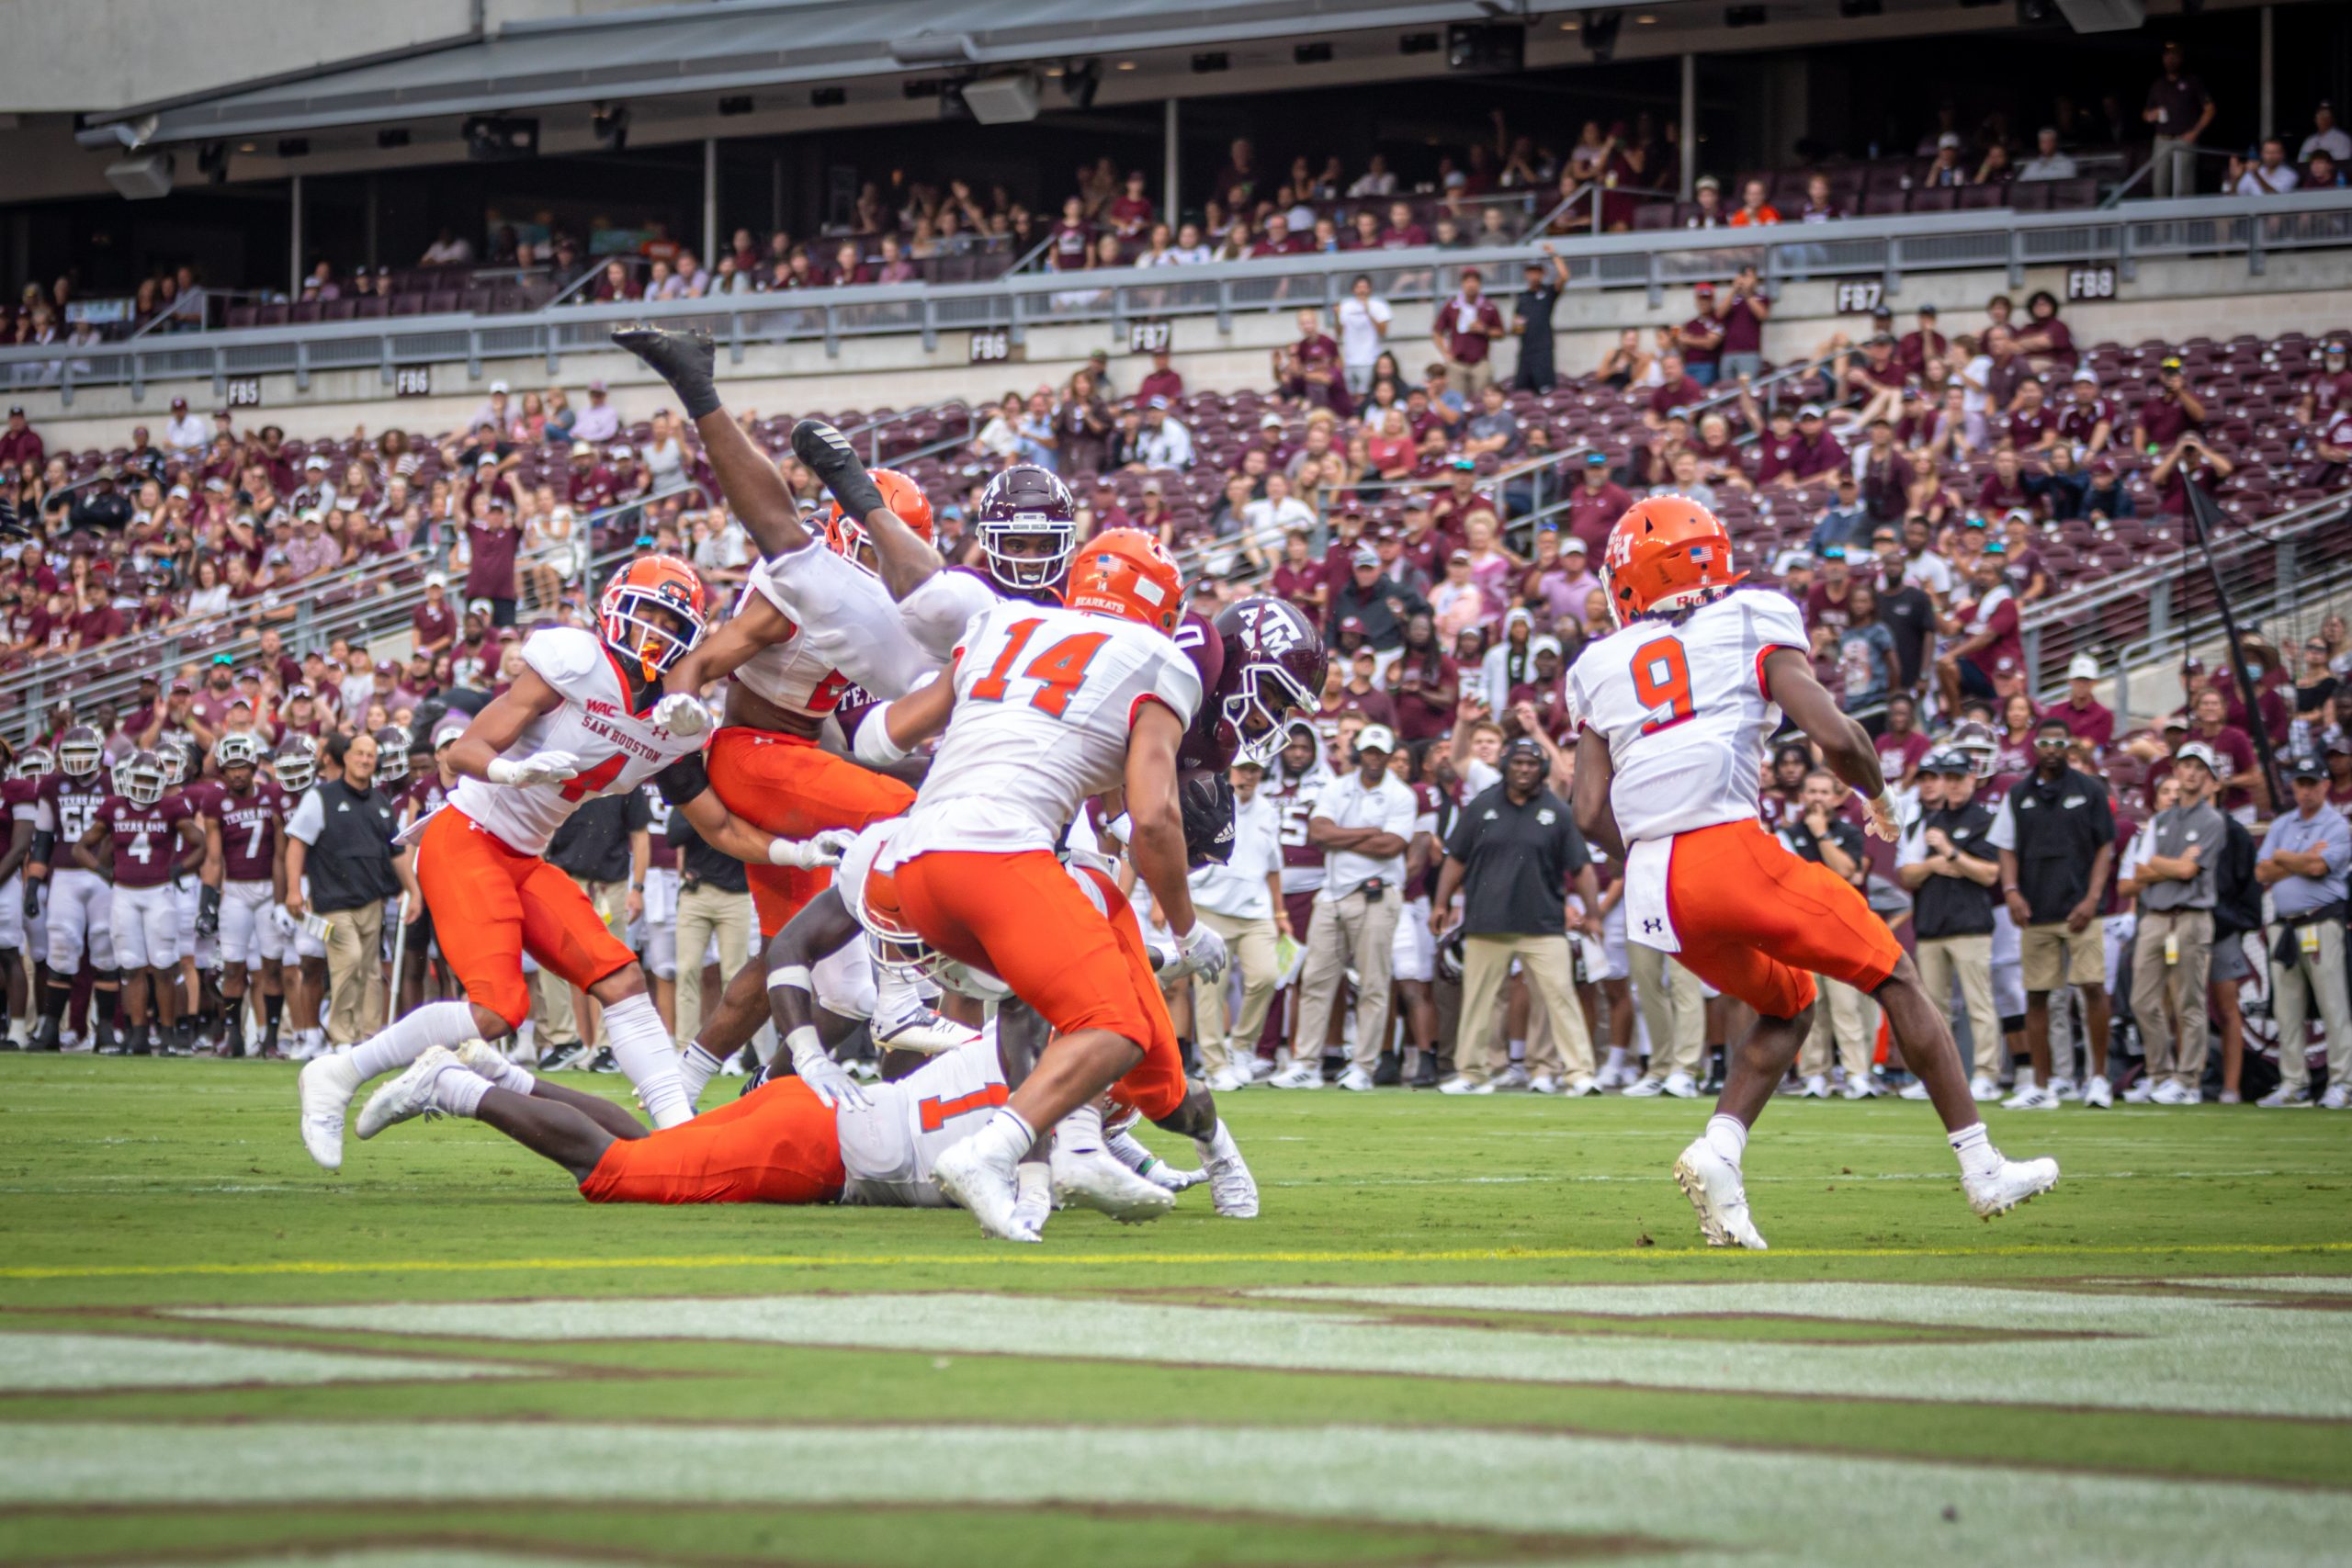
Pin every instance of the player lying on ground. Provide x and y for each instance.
(578, 721)
(1673, 712)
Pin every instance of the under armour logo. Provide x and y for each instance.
(1650, 927)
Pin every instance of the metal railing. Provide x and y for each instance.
(1887, 249)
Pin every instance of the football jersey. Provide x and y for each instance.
(944, 604)
(663, 853)
(19, 797)
(1044, 700)
(146, 838)
(889, 1150)
(66, 806)
(248, 841)
(1684, 711)
(845, 632)
(618, 750)
(1293, 797)
(1200, 748)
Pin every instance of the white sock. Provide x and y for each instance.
(1004, 1137)
(458, 1091)
(633, 1030)
(1122, 1148)
(2024, 1079)
(1974, 1146)
(1033, 1193)
(394, 1047)
(1727, 1135)
(697, 1068)
(1616, 1059)
(512, 1076)
(1519, 1050)
(1217, 1145)
(896, 995)
(1081, 1131)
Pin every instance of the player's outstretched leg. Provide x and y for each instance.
(687, 360)
(1231, 1187)
(442, 1082)
(834, 461)
(1708, 1171)
(1085, 1175)
(328, 1083)
(1994, 1185)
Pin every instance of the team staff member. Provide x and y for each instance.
(2176, 938)
(2056, 835)
(1241, 901)
(1513, 855)
(341, 838)
(1363, 822)
(713, 903)
(606, 846)
(1847, 1016)
(2303, 862)
(1950, 867)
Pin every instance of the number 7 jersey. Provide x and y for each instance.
(1044, 700)
(619, 751)
(1684, 711)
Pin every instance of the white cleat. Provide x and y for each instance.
(1582, 1088)
(1231, 1187)
(1815, 1087)
(2337, 1097)
(1298, 1075)
(1644, 1088)
(1720, 1198)
(1458, 1083)
(1916, 1089)
(2099, 1095)
(408, 1096)
(2030, 1100)
(2061, 1090)
(924, 1031)
(1864, 1088)
(325, 1086)
(1095, 1181)
(484, 1060)
(2140, 1093)
(2018, 1181)
(1513, 1076)
(1355, 1080)
(1231, 1080)
(1543, 1083)
(2285, 1098)
(986, 1191)
(1681, 1086)
(1983, 1089)
(2170, 1092)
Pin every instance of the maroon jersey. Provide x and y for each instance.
(17, 796)
(665, 853)
(66, 805)
(1294, 796)
(146, 838)
(250, 825)
(1200, 748)
(422, 796)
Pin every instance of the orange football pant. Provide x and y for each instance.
(776, 1144)
(1758, 922)
(790, 785)
(491, 904)
(1021, 919)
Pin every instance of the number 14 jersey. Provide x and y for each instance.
(1684, 711)
(1044, 699)
(618, 750)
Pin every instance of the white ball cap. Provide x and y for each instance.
(2082, 667)
(1376, 738)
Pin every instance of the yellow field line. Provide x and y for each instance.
(1097, 1259)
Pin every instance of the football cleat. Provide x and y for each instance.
(326, 1087)
(2285, 1098)
(1718, 1196)
(2097, 1094)
(1680, 1086)
(1982, 1089)
(1459, 1084)
(1298, 1075)
(923, 1030)
(2030, 1098)
(986, 1191)
(408, 1096)
(1644, 1088)
(2018, 1181)
(1816, 1087)
(1092, 1180)
(1231, 1187)
(1580, 1089)
(1356, 1081)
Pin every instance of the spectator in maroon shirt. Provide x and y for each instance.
(1675, 391)
(1919, 346)
(97, 620)
(590, 484)
(2045, 340)
(2004, 488)
(1700, 338)
(435, 622)
(2032, 424)
(1452, 506)
(849, 267)
(1309, 369)
(1131, 213)
(1742, 310)
(2211, 711)
(19, 444)
(1818, 452)
(1465, 329)
(1402, 232)
(1163, 382)
(1108, 513)
(2175, 409)
(493, 533)
(2190, 461)
(1595, 504)
(1887, 476)
(1300, 577)
(2083, 715)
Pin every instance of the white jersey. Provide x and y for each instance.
(1044, 700)
(942, 605)
(846, 631)
(618, 750)
(1684, 711)
(888, 1151)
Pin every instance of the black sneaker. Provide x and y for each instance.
(561, 1059)
(1425, 1075)
(1390, 1072)
(603, 1062)
(48, 1037)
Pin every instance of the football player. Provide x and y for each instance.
(578, 721)
(243, 820)
(79, 901)
(1672, 713)
(18, 897)
(155, 840)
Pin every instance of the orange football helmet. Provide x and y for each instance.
(1666, 553)
(1126, 572)
(651, 583)
(846, 535)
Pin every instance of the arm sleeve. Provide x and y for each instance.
(683, 781)
(2003, 832)
(2336, 849)
(309, 818)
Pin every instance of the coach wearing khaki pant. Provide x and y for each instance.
(1846, 1018)
(2056, 835)
(1949, 865)
(714, 904)
(2175, 944)
(1513, 853)
(1242, 902)
(2303, 864)
(1363, 822)
(341, 838)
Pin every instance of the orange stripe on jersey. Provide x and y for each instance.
(937, 1112)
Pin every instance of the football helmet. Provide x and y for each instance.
(296, 763)
(641, 603)
(1666, 553)
(238, 749)
(1975, 740)
(392, 754)
(871, 896)
(80, 750)
(142, 779)
(846, 535)
(35, 762)
(1026, 502)
(177, 763)
(1274, 665)
(1126, 572)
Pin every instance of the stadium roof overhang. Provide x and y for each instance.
(740, 45)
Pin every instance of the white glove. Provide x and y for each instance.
(826, 1078)
(539, 768)
(288, 925)
(1203, 951)
(682, 715)
(806, 854)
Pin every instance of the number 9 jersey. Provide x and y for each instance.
(1684, 710)
(618, 750)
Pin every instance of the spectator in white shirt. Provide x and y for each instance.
(1376, 180)
(1241, 901)
(1188, 251)
(184, 433)
(2047, 162)
(1166, 444)
(599, 422)
(2272, 176)
(1363, 321)
(2326, 137)
(447, 250)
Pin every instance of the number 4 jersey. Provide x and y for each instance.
(1044, 700)
(618, 750)
(1684, 711)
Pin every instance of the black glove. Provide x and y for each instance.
(32, 897)
(1207, 800)
(208, 912)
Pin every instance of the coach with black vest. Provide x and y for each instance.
(341, 838)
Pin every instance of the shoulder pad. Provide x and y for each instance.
(563, 656)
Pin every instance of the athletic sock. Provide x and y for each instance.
(1616, 1060)
(1081, 1131)
(1218, 1145)
(458, 1090)
(1518, 1051)
(1727, 1135)
(634, 1032)
(1005, 1137)
(272, 1013)
(401, 1042)
(697, 1068)
(512, 1076)
(1974, 1146)
(896, 997)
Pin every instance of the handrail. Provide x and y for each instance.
(873, 427)
(2115, 197)
(1880, 247)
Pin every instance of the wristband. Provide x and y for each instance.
(793, 975)
(874, 746)
(803, 1040)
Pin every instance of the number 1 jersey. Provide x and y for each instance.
(1684, 711)
(1044, 700)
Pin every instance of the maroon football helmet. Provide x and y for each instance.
(1273, 667)
(1026, 502)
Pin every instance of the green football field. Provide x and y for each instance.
(1462, 1332)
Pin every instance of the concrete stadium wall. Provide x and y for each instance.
(2170, 299)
